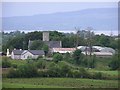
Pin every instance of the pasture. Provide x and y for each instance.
(58, 83)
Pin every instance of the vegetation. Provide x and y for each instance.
(58, 83)
(42, 68)
(115, 63)
(70, 68)
(46, 49)
(19, 40)
(6, 63)
(27, 70)
(57, 57)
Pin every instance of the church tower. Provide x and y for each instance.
(45, 35)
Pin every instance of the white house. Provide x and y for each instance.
(32, 54)
(16, 54)
(26, 54)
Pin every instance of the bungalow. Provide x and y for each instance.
(16, 54)
(25, 54)
(34, 54)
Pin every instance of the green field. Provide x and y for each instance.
(64, 82)
(58, 83)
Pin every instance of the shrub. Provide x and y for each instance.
(12, 73)
(14, 65)
(78, 56)
(41, 64)
(27, 71)
(64, 69)
(97, 75)
(6, 63)
(57, 57)
(54, 70)
(42, 73)
(115, 63)
(39, 57)
(76, 74)
(83, 73)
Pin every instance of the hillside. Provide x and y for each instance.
(99, 19)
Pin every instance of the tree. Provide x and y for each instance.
(6, 63)
(92, 62)
(55, 35)
(36, 45)
(41, 64)
(104, 40)
(46, 49)
(53, 70)
(64, 69)
(115, 63)
(57, 57)
(78, 56)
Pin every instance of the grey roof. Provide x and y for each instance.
(53, 44)
(97, 49)
(34, 52)
(17, 52)
(37, 52)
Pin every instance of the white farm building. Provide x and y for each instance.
(98, 51)
(26, 54)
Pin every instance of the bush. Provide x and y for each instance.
(64, 69)
(54, 70)
(39, 57)
(97, 75)
(14, 65)
(43, 74)
(6, 63)
(57, 57)
(41, 64)
(12, 73)
(83, 73)
(115, 63)
(76, 74)
(78, 56)
(27, 71)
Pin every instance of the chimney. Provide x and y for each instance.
(29, 42)
(45, 35)
(8, 53)
(61, 44)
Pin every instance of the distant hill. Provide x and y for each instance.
(99, 19)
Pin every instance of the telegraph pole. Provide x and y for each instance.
(77, 36)
(89, 43)
(90, 39)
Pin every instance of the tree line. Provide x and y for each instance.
(19, 40)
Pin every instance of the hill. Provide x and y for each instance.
(99, 18)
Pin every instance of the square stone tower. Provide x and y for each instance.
(45, 35)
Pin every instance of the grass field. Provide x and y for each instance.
(101, 66)
(58, 83)
(111, 73)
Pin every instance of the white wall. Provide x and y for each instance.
(26, 55)
(15, 56)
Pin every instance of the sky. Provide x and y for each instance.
(10, 9)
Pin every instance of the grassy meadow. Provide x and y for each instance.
(63, 82)
(58, 83)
